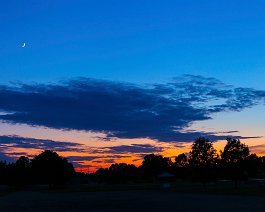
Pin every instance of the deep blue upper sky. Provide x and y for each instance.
(218, 46)
(135, 41)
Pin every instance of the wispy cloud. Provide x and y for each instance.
(123, 110)
(11, 146)
(5, 157)
(135, 148)
(13, 141)
(258, 149)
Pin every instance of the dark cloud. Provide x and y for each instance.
(79, 160)
(82, 158)
(108, 161)
(7, 142)
(158, 111)
(135, 148)
(6, 157)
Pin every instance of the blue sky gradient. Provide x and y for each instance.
(143, 41)
(132, 77)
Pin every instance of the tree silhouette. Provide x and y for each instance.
(234, 151)
(23, 162)
(153, 165)
(49, 167)
(18, 174)
(3, 172)
(202, 159)
(234, 159)
(253, 165)
(122, 172)
(202, 153)
(181, 160)
(22, 171)
(262, 163)
(180, 168)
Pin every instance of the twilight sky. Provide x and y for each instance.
(108, 81)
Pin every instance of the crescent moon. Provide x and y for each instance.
(24, 45)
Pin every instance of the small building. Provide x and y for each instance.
(166, 179)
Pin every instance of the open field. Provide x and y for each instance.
(133, 198)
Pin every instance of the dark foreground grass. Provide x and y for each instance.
(182, 196)
(249, 188)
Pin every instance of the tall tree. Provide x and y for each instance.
(181, 160)
(234, 159)
(202, 153)
(203, 159)
(234, 151)
(181, 167)
(153, 165)
(49, 167)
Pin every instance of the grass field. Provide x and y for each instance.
(148, 197)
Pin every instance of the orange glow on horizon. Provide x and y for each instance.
(97, 149)
(99, 160)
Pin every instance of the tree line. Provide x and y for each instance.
(45, 168)
(202, 164)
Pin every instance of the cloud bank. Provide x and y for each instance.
(124, 110)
